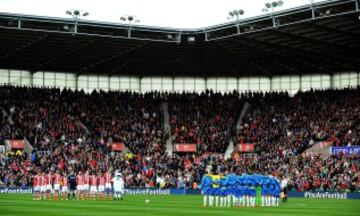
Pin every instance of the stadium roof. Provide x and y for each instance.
(164, 13)
(324, 38)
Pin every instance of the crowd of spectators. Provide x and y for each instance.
(207, 119)
(277, 122)
(283, 127)
(74, 131)
(71, 130)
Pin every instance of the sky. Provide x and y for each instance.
(164, 13)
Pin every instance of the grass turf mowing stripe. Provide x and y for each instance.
(16, 205)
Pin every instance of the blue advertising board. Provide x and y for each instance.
(346, 150)
(16, 190)
(154, 192)
(324, 195)
(147, 191)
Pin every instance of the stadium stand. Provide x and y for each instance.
(207, 119)
(74, 130)
(294, 123)
(122, 124)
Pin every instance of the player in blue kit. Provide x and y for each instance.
(275, 191)
(213, 192)
(223, 191)
(252, 193)
(205, 186)
(231, 182)
(238, 194)
(246, 197)
(217, 193)
(242, 188)
(276, 195)
(264, 193)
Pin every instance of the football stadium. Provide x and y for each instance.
(180, 108)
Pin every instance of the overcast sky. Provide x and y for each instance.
(165, 13)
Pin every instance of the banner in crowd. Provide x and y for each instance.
(245, 147)
(16, 144)
(117, 146)
(346, 150)
(185, 147)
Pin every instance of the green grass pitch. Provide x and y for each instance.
(16, 205)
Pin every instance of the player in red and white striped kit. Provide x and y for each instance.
(93, 186)
(57, 182)
(86, 185)
(80, 193)
(108, 187)
(64, 187)
(48, 185)
(101, 188)
(37, 184)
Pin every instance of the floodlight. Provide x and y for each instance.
(235, 14)
(274, 4)
(280, 3)
(129, 18)
(76, 14)
(268, 5)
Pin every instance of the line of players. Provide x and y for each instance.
(239, 191)
(83, 186)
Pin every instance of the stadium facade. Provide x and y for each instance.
(88, 83)
(312, 46)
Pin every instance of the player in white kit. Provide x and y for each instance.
(118, 185)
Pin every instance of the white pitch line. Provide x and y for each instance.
(301, 204)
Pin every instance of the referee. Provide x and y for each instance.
(283, 185)
(72, 184)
